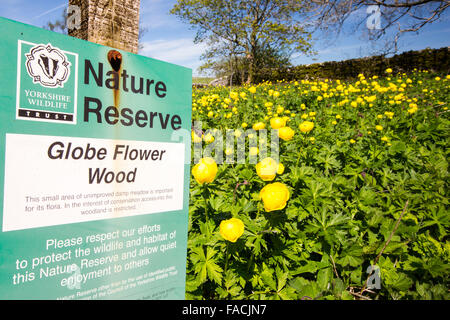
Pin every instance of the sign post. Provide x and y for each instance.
(94, 188)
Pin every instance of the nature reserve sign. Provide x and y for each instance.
(94, 176)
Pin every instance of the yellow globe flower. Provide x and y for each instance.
(259, 126)
(306, 126)
(412, 110)
(378, 127)
(388, 70)
(252, 89)
(196, 138)
(209, 138)
(205, 170)
(389, 114)
(253, 151)
(286, 133)
(277, 123)
(280, 109)
(274, 196)
(231, 229)
(280, 168)
(267, 169)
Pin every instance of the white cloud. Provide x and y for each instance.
(155, 14)
(179, 51)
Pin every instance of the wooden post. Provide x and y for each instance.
(113, 23)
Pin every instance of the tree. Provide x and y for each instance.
(244, 30)
(59, 25)
(381, 19)
(237, 67)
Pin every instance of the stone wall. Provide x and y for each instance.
(113, 23)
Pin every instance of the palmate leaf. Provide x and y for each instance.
(328, 160)
(350, 261)
(310, 267)
(267, 278)
(305, 288)
(192, 283)
(205, 265)
(217, 203)
(328, 224)
(440, 218)
(231, 288)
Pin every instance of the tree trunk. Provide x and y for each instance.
(251, 68)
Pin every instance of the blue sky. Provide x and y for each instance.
(170, 40)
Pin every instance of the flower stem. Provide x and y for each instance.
(300, 151)
(226, 258)
(205, 191)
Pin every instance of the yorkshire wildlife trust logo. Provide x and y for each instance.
(47, 83)
(48, 66)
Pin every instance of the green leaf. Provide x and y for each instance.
(214, 270)
(402, 282)
(205, 266)
(350, 261)
(324, 278)
(338, 287)
(282, 278)
(268, 279)
(310, 267)
(397, 147)
(305, 288)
